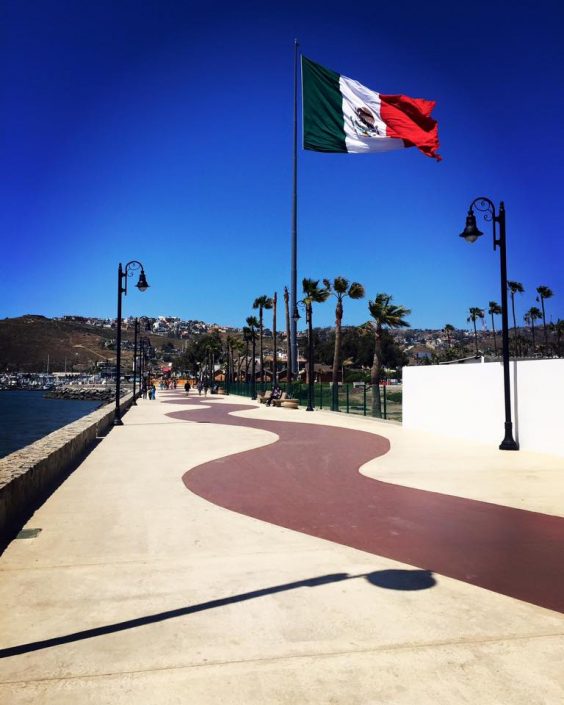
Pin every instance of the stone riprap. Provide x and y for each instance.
(28, 474)
(86, 393)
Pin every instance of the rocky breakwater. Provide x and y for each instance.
(103, 394)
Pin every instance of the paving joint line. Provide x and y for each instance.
(324, 655)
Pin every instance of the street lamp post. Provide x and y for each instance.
(471, 233)
(141, 354)
(135, 330)
(123, 274)
(143, 360)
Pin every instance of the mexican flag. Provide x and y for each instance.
(342, 115)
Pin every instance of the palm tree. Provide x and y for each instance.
(448, 329)
(261, 303)
(385, 315)
(312, 294)
(340, 288)
(558, 329)
(211, 346)
(475, 313)
(514, 288)
(247, 339)
(494, 309)
(253, 324)
(544, 293)
(237, 347)
(229, 343)
(532, 315)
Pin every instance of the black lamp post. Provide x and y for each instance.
(136, 330)
(123, 274)
(141, 352)
(471, 234)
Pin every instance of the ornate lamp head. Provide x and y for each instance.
(471, 232)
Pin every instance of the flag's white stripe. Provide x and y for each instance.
(359, 136)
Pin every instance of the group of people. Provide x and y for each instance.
(202, 386)
(148, 390)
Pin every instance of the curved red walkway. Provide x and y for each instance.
(308, 481)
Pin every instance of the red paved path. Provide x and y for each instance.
(308, 481)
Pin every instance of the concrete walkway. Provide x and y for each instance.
(138, 590)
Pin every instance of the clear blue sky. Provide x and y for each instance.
(162, 130)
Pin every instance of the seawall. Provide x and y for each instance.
(28, 475)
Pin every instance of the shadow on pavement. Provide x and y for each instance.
(391, 579)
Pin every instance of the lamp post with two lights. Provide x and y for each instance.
(123, 274)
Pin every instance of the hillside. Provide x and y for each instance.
(29, 343)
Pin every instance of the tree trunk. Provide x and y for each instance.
(544, 326)
(493, 331)
(375, 375)
(274, 346)
(337, 357)
(253, 370)
(475, 336)
(515, 342)
(288, 341)
(533, 332)
(261, 352)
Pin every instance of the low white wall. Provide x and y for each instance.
(466, 401)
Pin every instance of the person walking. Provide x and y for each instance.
(187, 387)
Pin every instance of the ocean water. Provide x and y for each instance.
(26, 417)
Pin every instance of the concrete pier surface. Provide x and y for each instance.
(211, 550)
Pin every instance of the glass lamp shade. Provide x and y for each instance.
(471, 232)
(142, 283)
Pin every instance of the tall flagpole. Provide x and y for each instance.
(294, 267)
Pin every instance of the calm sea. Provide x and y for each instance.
(27, 416)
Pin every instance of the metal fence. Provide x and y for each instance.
(351, 398)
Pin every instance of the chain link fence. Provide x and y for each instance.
(351, 398)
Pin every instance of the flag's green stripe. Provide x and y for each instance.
(324, 125)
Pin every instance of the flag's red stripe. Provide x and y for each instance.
(410, 119)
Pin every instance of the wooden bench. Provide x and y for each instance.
(263, 398)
